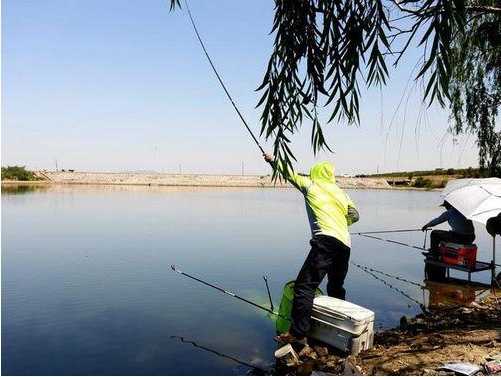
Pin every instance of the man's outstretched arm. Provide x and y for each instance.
(301, 182)
(439, 220)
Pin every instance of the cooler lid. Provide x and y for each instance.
(454, 245)
(335, 305)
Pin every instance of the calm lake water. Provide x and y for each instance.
(87, 286)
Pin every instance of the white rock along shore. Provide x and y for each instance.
(191, 180)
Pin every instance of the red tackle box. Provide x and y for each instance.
(458, 254)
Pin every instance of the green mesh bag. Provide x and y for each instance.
(284, 311)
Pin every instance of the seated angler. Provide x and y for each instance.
(462, 232)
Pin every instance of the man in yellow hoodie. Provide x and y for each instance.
(330, 212)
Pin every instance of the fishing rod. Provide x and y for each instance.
(387, 231)
(220, 354)
(173, 267)
(393, 241)
(400, 243)
(220, 79)
(265, 278)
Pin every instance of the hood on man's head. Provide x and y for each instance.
(323, 171)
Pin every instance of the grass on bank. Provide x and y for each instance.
(458, 173)
(421, 182)
(18, 173)
(429, 179)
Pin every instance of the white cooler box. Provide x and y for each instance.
(341, 324)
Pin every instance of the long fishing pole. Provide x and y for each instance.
(269, 293)
(393, 241)
(387, 231)
(400, 243)
(224, 291)
(220, 79)
(220, 354)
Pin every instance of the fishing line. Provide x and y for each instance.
(368, 235)
(220, 79)
(388, 275)
(421, 306)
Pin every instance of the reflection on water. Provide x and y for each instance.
(253, 369)
(23, 188)
(453, 293)
(87, 288)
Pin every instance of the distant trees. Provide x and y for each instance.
(18, 173)
(475, 85)
(324, 50)
(461, 173)
(421, 182)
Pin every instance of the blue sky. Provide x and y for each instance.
(123, 85)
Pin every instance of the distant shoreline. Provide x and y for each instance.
(187, 180)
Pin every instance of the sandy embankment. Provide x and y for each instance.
(191, 180)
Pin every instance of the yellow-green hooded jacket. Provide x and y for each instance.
(330, 210)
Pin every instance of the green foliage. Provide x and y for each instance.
(466, 173)
(426, 183)
(319, 49)
(476, 86)
(455, 173)
(324, 50)
(421, 182)
(474, 173)
(174, 4)
(17, 173)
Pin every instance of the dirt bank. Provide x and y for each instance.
(420, 346)
(160, 179)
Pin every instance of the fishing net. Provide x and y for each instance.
(284, 311)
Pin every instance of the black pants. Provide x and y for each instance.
(437, 273)
(327, 256)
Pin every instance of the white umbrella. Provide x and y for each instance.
(477, 199)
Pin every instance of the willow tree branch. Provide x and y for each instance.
(483, 9)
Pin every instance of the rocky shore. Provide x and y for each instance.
(190, 180)
(420, 346)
